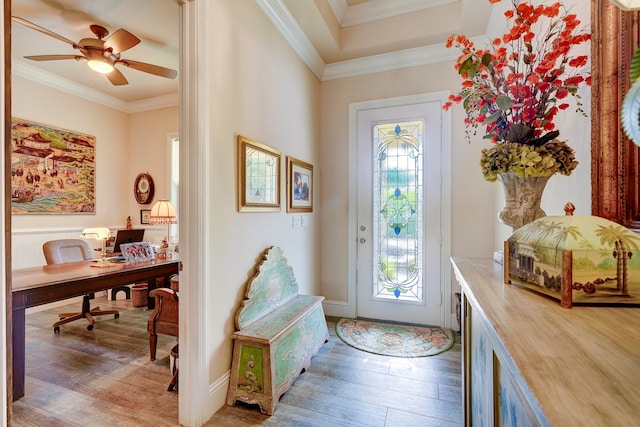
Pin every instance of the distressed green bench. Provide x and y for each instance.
(277, 333)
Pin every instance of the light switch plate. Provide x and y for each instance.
(305, 220)
(296, 221)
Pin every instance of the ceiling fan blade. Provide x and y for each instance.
(53, 57)
(42, 30)
(117, 78)
(120, 41)
(149, 68)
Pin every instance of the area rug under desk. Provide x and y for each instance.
(391, 339)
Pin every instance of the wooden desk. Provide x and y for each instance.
(530, 360)
(41, 285)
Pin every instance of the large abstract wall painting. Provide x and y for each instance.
(52, 170)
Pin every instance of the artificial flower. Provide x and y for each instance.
(516, 86)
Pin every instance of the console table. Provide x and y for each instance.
(528, 362)
(40, 285)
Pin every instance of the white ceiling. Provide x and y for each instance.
(334, 33)
(154, 22)
(358, 28)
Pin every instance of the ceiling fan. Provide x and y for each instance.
(101, 54)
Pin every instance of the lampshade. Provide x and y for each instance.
(627, 5)
(98, 233)
(102, 234)
(163, 212)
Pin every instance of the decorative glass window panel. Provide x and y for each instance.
(261, 176)
(398, 211)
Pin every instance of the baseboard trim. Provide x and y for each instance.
(335, 308)
(454, 323)
(218, 393)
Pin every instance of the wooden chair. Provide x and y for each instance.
(72, 250)
(164, 318)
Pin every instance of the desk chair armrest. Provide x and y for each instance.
(165, 312)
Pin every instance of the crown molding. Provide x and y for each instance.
(339, 8)
(423, 55)
(280, 16)
(29, 72)
(282, 19)
(155, 103)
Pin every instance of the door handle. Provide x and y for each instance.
(362, 240)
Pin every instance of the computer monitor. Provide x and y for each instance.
(127, 236)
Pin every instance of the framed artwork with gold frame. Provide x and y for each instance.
(258, 177)
(299, 185)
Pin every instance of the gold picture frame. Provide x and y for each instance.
(145, 216)
(258, 177)
(299, 185)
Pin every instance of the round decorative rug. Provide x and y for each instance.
(392, 339)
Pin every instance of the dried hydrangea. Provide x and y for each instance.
(527, 160)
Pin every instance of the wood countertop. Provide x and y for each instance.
(581, 364)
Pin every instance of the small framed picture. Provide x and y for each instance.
(299, 185)
(258, 177)
(144, 216)
(139, 251)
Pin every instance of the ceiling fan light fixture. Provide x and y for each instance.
(100, 66)
(627, 5)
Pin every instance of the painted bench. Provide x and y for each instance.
(277, 333)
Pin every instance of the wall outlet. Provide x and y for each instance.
(296, 221)
(305, 220)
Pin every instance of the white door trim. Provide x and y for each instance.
(194, 400)
(5, 293)
(445, 212)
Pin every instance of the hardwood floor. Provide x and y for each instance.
(101, 377)
(348, 387)
(104, 378)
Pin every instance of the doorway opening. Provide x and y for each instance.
(400, 215)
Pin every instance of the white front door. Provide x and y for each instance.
(399, 213)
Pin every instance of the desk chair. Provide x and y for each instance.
(71, 250)
(164, 318)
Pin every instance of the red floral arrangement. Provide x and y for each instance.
(517, 86)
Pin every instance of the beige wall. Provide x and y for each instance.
(126, 144)
(43, 104)
(148, 151)
(259, 88)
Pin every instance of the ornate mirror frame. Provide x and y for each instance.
(615, 160)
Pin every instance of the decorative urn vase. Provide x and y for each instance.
(522, 199)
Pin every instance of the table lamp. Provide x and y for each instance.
(163, 212)
(99, 233)
(627, 5)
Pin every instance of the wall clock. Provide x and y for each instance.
(143, 188)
